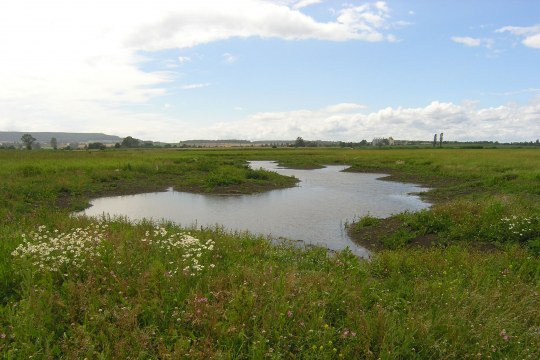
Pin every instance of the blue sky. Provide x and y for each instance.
(169, 70)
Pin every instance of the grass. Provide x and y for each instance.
(136, 291)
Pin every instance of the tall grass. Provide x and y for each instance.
(139, 293)
(262, 300)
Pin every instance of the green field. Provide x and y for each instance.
(461, 280)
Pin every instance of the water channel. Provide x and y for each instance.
(314, 212)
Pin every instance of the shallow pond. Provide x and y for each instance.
(314, 212)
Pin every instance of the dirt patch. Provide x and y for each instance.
(425, 241)
(373, 236)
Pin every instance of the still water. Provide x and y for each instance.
(314, 212)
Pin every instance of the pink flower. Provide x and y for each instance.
(289, 313)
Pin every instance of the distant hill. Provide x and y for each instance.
(61, 137)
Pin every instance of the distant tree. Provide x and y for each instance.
(96, 146)
(440, 139)
(54, 143)
(117, 145)
(28, 140)
(299, 142)
(435, 140)
(130, 142)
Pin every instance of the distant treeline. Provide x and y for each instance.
(61, 137)
(42, 140)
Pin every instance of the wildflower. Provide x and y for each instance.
(289, 313)
(53, 251)
(504, 335)
(193, 249)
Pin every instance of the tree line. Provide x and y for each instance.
(29, 143)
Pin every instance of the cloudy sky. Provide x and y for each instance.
(170, 70)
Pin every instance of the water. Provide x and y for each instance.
(314, 212)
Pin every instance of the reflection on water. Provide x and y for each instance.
(314, 212)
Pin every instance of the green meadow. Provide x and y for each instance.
(460, 280)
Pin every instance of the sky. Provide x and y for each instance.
(173, 70)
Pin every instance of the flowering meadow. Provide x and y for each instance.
(75, 288)
(74, 251)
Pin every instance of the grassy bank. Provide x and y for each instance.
(142, 291)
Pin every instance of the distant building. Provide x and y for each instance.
(380, 141)
(376, 141)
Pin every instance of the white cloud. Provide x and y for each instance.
(366, 20)
(340, 122)
(468, 41)
(229, 58)
(530, 34)
(195, 86)
(382, 6)
(305, 3)
(81, 55)
(520, 30)
(187, 24)
(475, 42)
(532, 41)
